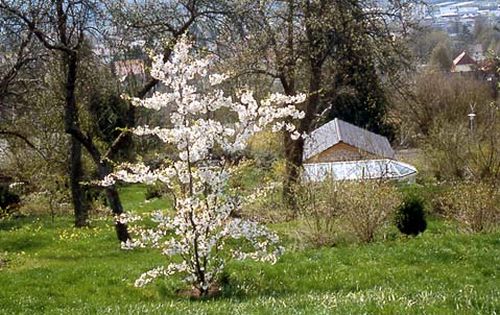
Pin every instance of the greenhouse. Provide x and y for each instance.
(359, 170)
(343, 151)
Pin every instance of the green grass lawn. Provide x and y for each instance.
(50, 268)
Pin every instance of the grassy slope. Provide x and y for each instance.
(59, 270)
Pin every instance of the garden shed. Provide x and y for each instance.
(463, 63)
(343, 151)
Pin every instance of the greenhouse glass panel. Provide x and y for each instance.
(358, 170)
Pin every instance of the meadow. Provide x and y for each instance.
(48, 267)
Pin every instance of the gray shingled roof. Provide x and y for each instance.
(337, 131)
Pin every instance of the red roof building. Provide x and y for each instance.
(463, 63)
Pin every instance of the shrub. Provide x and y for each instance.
(331, 207)
(155, 191)
(261, 191)
(367, 206)
(320, 205)
(474, 205)
(410, 216)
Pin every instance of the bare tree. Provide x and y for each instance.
(62, 27)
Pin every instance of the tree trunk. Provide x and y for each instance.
(80, 204)
(294, 149)
(293, 156)
(114, 203)
(79, 139)
(116, 207)
(104, 168)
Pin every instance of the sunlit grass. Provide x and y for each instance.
(51, 268)
(134, 199)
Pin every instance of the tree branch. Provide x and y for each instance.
(23, 138)
(34, 29)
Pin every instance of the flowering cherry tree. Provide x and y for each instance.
(198, 178)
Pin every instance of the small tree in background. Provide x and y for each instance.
(441, 57)
(204, 126)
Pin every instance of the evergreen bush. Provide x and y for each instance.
(410, 216)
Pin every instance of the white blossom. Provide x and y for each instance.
(202, 221)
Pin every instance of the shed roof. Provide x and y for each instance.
(337, 131)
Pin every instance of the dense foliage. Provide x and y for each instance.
(410, 216)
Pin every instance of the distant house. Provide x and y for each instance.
(464, 63)
(344, 151)
(124, 68)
